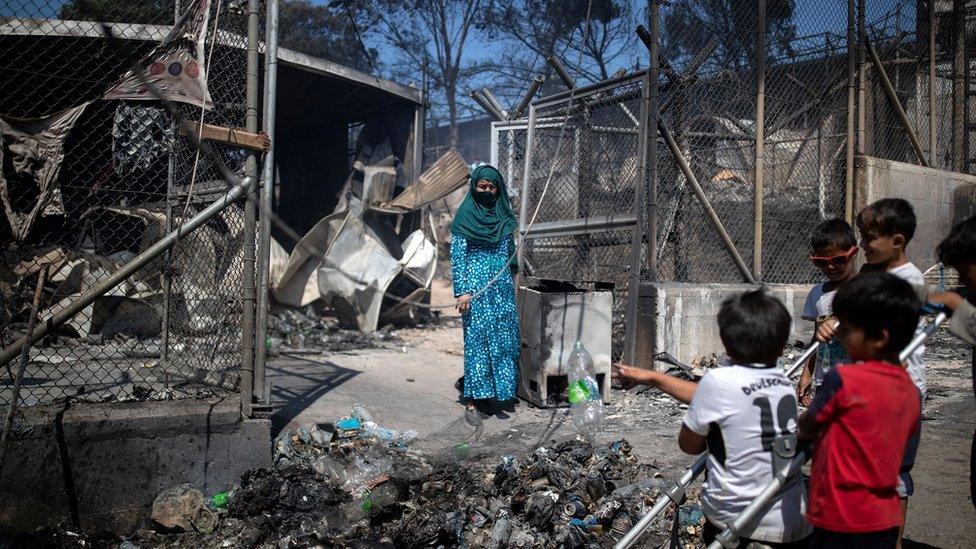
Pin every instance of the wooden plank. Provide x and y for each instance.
(230, 136)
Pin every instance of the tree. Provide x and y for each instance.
(538, 29)
(149, 12)
(432, 36)
(326, 31)
(606, 35)
(732, 23)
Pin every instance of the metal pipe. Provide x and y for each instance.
(128, 269)
(655, 114)
(636, 244)
(851, 98)
(706, 205)
(798, 363)
(920, 337)
(586, 225)
(895, 103)
(266, 198)
(419, 119)
(646, 36)
(729, 537)
(758, 190)
(673, 494)
(483, 102)
(560, 69)
(534, 86)
(933, 143)
(861, 75)
(524, 207)
(167, 274)
(582, 91)
(8, 423)
(494, 102)
(250, 214)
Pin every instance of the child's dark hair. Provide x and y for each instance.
(960, 246)
(754, 327)
(890, 216)
(833, 232)
(879, 301)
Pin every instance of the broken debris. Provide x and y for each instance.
(355, 487)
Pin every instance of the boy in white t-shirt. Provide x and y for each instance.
(886, 227)
(833, 249)
(745, 416)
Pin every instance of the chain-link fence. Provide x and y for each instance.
(93, 175)
(582, 194)
(804, 90)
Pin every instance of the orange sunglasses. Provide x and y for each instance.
(838, 260)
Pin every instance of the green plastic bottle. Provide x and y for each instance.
(219, 500)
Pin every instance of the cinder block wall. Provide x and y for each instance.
(109, 461)
(940, 198)
(680, 318)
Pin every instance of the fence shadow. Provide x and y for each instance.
(298, 382)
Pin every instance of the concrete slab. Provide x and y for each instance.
(680, 318)
(940, 199)
(103, 464)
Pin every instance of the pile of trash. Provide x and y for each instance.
(305, 329)
(353, 483)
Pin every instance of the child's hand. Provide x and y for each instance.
(951, 300)
(463, 305)
(826, 330)
(803, 389)
(629, 376)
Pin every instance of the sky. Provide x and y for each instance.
(812, 17)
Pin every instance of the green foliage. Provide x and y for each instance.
(158, 12)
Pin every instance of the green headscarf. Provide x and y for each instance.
(484, 216)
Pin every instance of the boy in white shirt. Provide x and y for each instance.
(833, 249)
(745, 416)
(886, 227)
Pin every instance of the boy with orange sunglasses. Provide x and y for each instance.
(834, 248)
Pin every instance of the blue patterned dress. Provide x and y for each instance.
(491, 328)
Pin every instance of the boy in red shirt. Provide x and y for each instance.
(862, 418)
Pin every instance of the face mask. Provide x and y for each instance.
(485, 199)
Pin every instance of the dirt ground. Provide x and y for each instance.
(409, 384)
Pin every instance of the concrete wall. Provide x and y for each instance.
(115, 458)
(680, 318)
(940, 199)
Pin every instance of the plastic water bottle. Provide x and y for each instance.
(585, 400)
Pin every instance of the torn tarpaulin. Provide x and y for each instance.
(176, 66)
(354, 259)
(350, 263)
(31, 153)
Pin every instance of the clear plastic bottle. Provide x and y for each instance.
(585, 400)
(361, 413)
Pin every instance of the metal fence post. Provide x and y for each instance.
(861, 75)
(636, 244)
(959, 85)
(250, 217)
(851, 98)
(526, 174)
(650, 179)
(267, 193)
(933, 142)
(760, 138)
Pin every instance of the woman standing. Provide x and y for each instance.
(482, 250)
